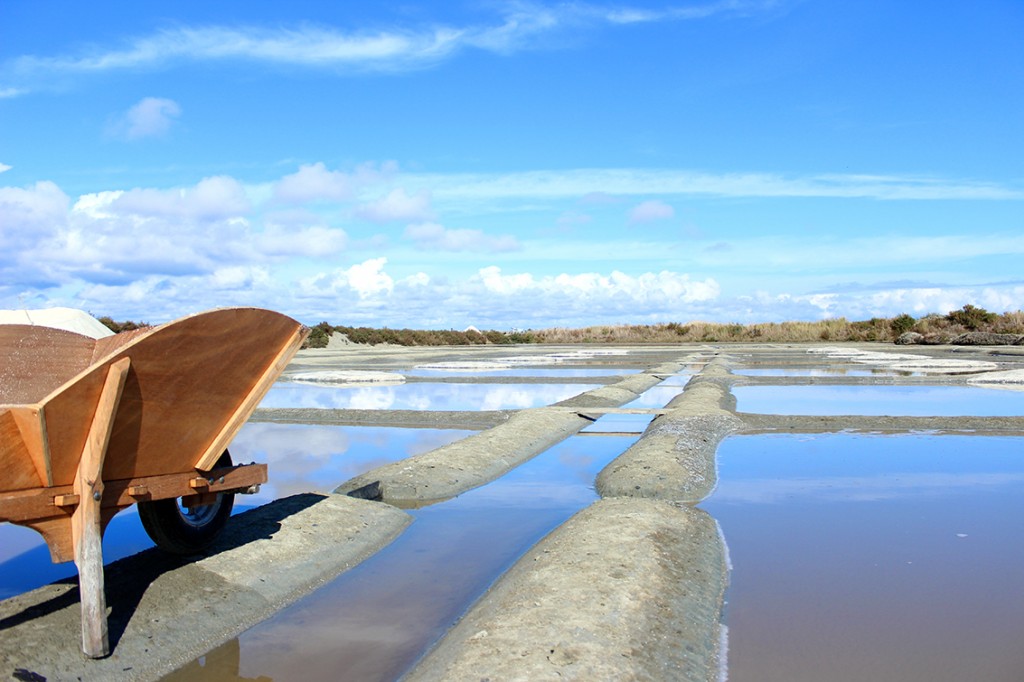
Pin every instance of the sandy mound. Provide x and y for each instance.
(72, 320)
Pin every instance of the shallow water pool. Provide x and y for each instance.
(524, 372)
(619, 423)
(821, 372)
(873, 557)
(421, 396)
(910, 401)
(305, 458)
(300, 459)
(656, 397)
(376, 620)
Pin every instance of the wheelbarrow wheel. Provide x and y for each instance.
(187, 530)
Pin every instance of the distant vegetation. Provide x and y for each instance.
(118, 327)
(933, 328)
(320, 334)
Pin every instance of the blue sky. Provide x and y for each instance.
(513, 164)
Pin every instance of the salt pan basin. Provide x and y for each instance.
(374, 621)
(909, 401)
(421, 396)
(873, 557)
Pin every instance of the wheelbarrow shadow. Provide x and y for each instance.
(127, 580)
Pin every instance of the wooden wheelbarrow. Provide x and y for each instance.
(89, 427)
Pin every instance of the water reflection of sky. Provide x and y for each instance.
(303, 458)
(524, 372)
(777, 469)
(880, 557)
(421, 396)
(914, 401)
(820, 372)
(624, 423)
(375, 620)
(25, 561)
(299, 458)
(656, 397)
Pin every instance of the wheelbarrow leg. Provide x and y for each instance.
(86, 522)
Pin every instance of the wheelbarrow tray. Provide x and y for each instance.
(189, 386)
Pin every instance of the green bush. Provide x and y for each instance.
(118, 327)
(318, 336)
(901, 324)
(971, 317)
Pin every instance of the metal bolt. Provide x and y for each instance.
(221, 479)
(96, 496)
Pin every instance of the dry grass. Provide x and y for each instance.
(881, 330)
(935, 328)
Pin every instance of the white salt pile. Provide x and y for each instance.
(69, 319)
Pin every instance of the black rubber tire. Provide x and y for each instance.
(176, 531)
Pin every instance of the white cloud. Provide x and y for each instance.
(588, 183)
(217, 242)
(867, 302)
(151, 117)
(4, 168)
(524, 25)
(397, 205)
(570, 219)
(313, 182)
(314, 241)
(663, 286)
(650, 211)
(239, 277)
(28, 217)
(855, 254)
(27, 212)
(366, 279)
(436, 237)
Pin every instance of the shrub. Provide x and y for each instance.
(118, 327)
(318, 336)
(496, 337)
(971, 317)
(902, 323)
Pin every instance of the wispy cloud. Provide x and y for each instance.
(151, 117)
(301, 245)
(397, 205)
(580, 183)
(649, 211)
(435, 237)
(520, 26)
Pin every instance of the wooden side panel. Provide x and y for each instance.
(19, 460)
(242, 412)
(56, 530)
(31, 421)
(35, 361)
(110, 344)
(187, 383)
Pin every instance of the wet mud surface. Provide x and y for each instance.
(635, 585)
